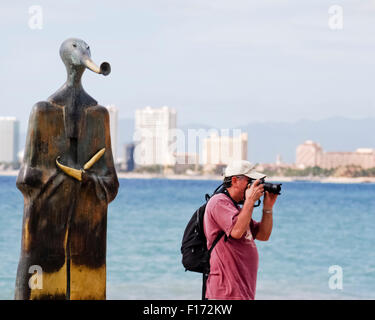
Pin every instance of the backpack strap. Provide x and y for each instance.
(226, 192)
(218, 237)
(204, 287)
(205, 274)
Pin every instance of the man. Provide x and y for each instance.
(234, 262)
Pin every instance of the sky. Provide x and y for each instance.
(217, 62)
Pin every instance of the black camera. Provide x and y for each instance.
(271, 187)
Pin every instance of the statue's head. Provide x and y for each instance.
(75, 53)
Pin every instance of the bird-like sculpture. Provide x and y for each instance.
(67, 178)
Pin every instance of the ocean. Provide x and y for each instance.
(316, 226)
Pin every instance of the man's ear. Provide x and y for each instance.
(234, 180)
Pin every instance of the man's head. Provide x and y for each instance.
(238, 175)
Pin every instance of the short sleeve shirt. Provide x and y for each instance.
(234, 263)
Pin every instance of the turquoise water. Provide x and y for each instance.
(315, 226)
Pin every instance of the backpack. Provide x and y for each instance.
(195, 254)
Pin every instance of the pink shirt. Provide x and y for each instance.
(234, 263)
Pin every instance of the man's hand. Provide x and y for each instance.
(269, 200)
(265, 226)
(255, 191)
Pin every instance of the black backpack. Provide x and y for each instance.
(195, 254)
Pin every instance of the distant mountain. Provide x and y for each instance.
(266, 140)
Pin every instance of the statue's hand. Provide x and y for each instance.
(76, 174)
(86, 176)
(94, 159)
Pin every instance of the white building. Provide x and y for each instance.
(221, 150)
(113, 122)
(155, 136)
(9, 140)
(310, 154)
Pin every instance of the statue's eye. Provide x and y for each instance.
(74, 45)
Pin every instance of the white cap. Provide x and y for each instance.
(242, 168)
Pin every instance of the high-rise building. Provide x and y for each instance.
(113, 123)
(308, 154)
(9, 140)
(221, 150)
(128, 163)
(154, 136)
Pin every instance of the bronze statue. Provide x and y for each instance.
(67, 179)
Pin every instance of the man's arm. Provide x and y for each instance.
(244, 217)
(243, 220)
(265, 226)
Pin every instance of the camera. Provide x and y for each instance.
(271, 187)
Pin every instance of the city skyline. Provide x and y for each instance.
(307, 154)
(335, 134)
(266, 61)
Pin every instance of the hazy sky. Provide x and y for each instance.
(218, 62)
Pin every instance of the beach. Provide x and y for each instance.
(135, 175)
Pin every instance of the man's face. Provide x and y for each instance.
(240, 184)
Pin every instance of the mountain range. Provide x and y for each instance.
(266, 140)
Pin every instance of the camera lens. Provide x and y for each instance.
(272, 187)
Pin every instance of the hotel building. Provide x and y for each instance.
(310, 154)
(154, 136)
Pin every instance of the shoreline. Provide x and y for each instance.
(133, 175)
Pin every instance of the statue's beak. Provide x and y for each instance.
(105, 67)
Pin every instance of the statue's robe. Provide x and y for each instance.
(65, 220)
